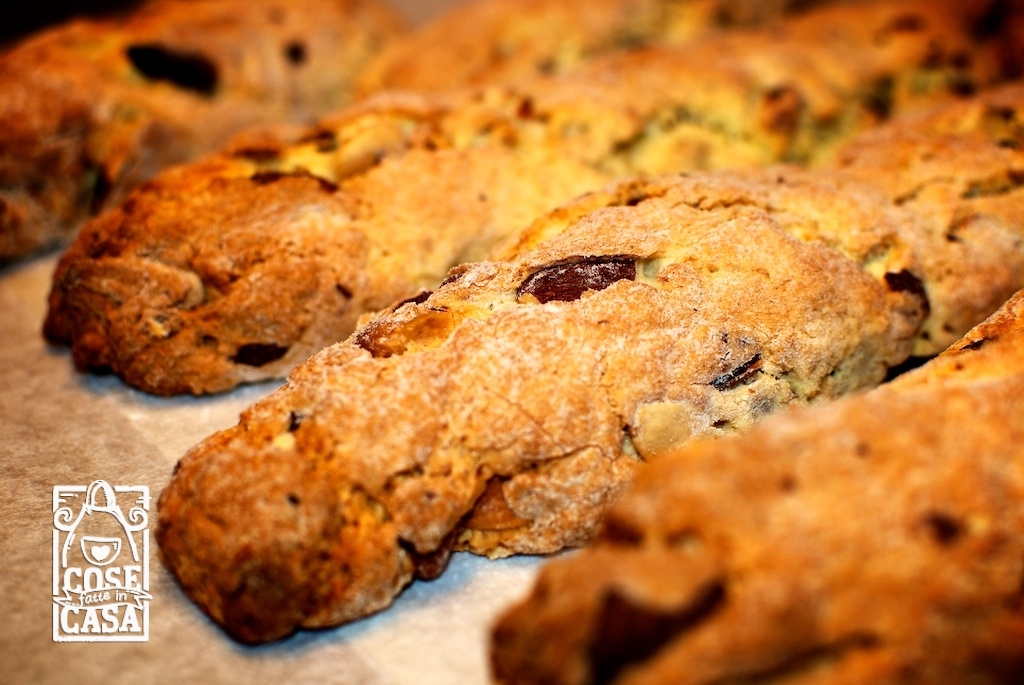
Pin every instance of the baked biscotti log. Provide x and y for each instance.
(960, 168)
(237, 268)
(504, 412)
(94, 107)
(489, 41)
(873, 540)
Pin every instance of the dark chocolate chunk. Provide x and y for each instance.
(730, 379)
(627, 634)
(258, 354)
(568, 282)
(904, 281)
(295, 53)
(945, 529)
(187, 70)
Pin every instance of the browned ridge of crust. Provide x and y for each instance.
(237, 268)
(874, 540)
(94, 107)
(503, 413)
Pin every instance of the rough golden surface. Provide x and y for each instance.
(873, 540)
(235, 269)
(504, 412)
(92, 108)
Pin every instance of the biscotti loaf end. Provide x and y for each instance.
(93, 107)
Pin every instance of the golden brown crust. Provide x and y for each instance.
(92, 108)
(873, 540)
(534, 388)
(429, 182)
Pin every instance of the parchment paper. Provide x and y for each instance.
(58, 427)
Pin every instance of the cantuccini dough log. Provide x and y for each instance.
(873, 540)
(489, 41)
(504, 412)
(237, 268)
(93, 107)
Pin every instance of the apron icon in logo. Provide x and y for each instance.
(101, 577)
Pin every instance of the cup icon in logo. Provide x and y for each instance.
(100, 551)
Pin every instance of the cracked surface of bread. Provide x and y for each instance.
(504, 412)
(94, 107)
(872, 540)
(427, 182)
